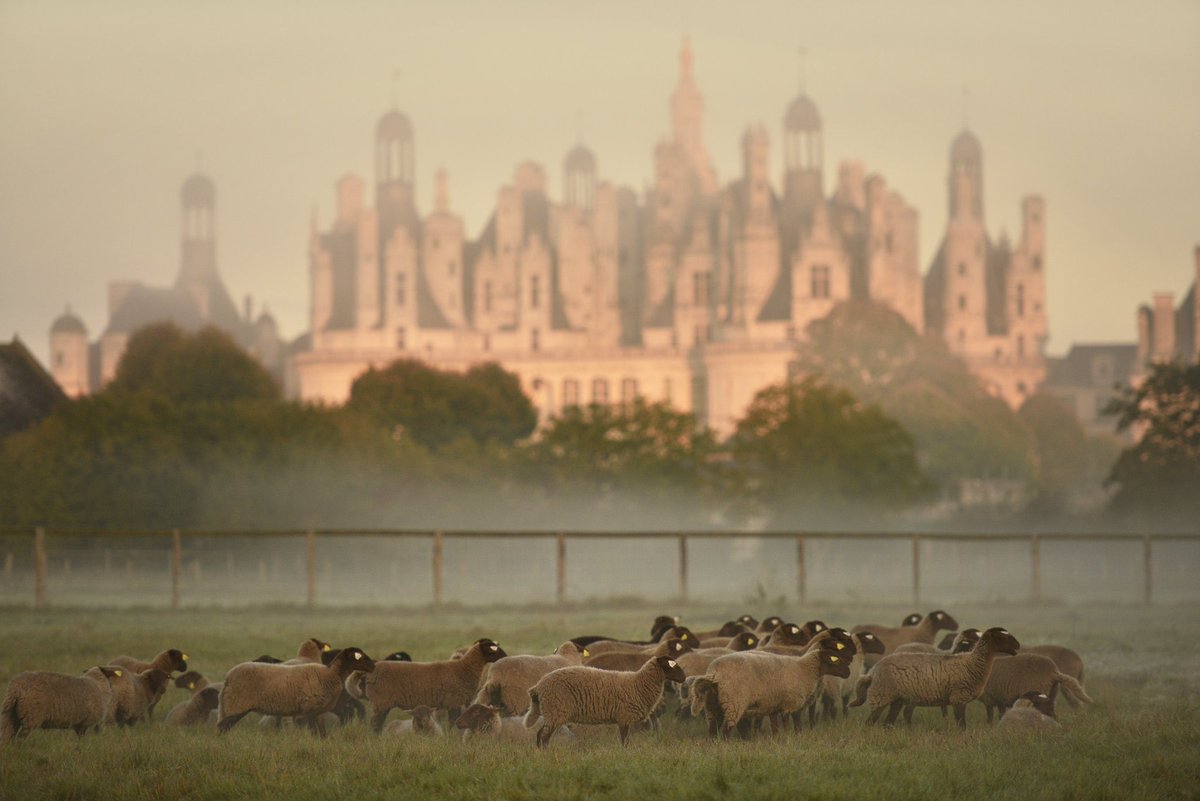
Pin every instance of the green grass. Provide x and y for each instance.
(1141, 739)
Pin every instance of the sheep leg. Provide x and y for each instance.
(812, 716)
(547, 731)
(318, 725)
(989, 712)
(775, 724)
(893, 713)
(845, 706)
(745, 727)
(378, 718)
(81, 730)
(228, 722)
(623, 731)
(944, 711)
(828, 708)
(797, 723)
(874, 716)
(908, 713)
(960, 714)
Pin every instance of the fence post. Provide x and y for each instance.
(1146, 559)
(562, 567)
(39, 568)
(801, 577)
(437, 568)
(176, 566)
(916, 566)
(683, 567)
(1035, 559)
(310, 549)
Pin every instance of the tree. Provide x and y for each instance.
(960, 429)
(807, 449)
(205, 367)
(434, 407)
(1158, 478)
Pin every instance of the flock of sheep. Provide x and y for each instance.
(739, 676)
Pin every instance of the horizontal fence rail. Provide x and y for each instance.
(78, 565)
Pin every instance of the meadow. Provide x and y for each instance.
(1140, 740)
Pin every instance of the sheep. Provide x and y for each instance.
(954, 643)
(192, 680)
(731, 628)
(588, 695)
(485, 722)
(620, 660)
(1033, 710)
(134, 695)
(763, 684)
(506, 685)
(695, 663)
(748, 621)
(1067, 660)
(310, 652)
(1014, 676)
(196, 710)
(838, 640)
(303, 691)
(910, 679)
(792, 634)
(840, 689)
(44, 700)
(448, 685)
(422, 723)
(925, 631)
(657, 629)
(610, 646)
(168, 661)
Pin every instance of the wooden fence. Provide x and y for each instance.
(562, 538)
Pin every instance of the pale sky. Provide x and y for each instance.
(105, 108)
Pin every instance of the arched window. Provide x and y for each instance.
(600, 391)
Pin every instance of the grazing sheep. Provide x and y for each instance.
(196, 710)
(1067, 660)
(449, 685)
(169, 661)
(760, 684)
(1013, 676)
(485, 722)
(588, 695)
(1033, 710)
(925, 631)
(506, 685)
(303, 691)
(661, 625)
(622, 660)
(43, 700)
(422, 723)
(612, 646)
(192, 680)
(911, 620)
(901, 680)
(134, 695)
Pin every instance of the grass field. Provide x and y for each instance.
(1140, 740)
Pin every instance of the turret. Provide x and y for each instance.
(69, 362)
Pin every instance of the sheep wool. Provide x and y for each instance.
(44, 700)
(507, 681)
(1068, 661)
(421, 723)
(169, 661)
(305, 691)
(134, 695)
(196, 710)
(589, 695)
(450, 684)
(1030, 713)
(618, 660)
(1014, 676)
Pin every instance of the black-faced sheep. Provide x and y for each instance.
(44, 700)
(449, 685)
(506, 682)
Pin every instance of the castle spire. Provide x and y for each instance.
(685, 60)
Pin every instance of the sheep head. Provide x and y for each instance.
(1000, 641)
(910, 620)
(834, 664)
(869, 643)
(671, 669)
(943, 621)
(491, 650)
(743, 642)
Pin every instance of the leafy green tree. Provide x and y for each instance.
(960, 429)
(1158, 478)
(435, 407)
(808, 448)
(206, 366)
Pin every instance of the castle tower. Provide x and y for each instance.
(964, 251)
(756, 250)
(687, 121)
(69, 354)
(1025, 289)
(198, 263)
(395, 202)
(442, 255)
(803, 153)
(966, 177)
(577, 253)
(579, 178)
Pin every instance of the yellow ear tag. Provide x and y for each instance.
(191, 685)
(586, 652)
(841, 646)
(117, 673)
(683, 636)
(185, 657)
(833, 659)
(326, 647)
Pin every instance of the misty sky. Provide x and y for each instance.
(106, 107)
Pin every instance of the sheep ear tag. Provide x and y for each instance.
(191, 685)
(833, 658)
(841, 646)
(586, 652)
(493, 647)
(117, 673)
(325, 648)
(672, 663)
(185, 657)
(358, 655)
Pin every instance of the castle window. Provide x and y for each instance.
(962, 268)
(400, 338)
(1021, 388)
(535, 291)
(1020, 344)
(401, 289)
(700, 334)
(1037, 263)
(535, 340)
(997, 354)
(819, 281)
(887, 242)
(487, 296)
(667, 390)
(1020, 300)
(962, 302)
(600, 391)
(629, 390)
(570, 392)
(701, 283)
(487, 341)
(453, 266)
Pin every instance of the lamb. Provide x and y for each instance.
(168, 661)
(422, 723)
(763, 684)
(620, 660)
(925, 631)
(448, 685)
(1014, 676)
(1033, 710)
(588, 695)
(304, 691)
(134, 695)
(44, 700)
(196, 710)
(508, 680)
(1067, 660)
(910, 679)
